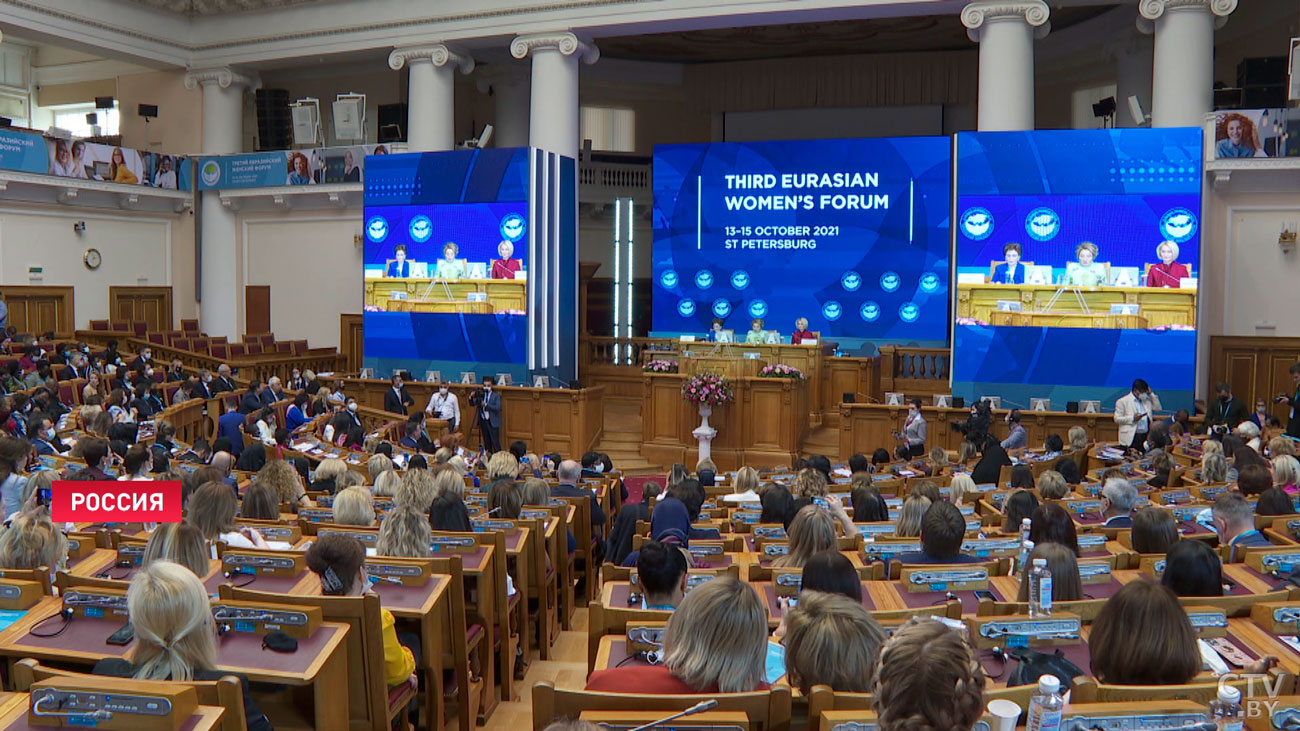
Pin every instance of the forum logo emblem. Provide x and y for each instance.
(377, 229)
(890, 281)
(977, 223)
(721, 308)
(909, 312)
(869, 311)
(211, 172)
(704, 279)
(1178, 225)
(1042, 224)
(513, 227)
(758, 309)
(851, 281)
(832, 311)
(929, 282)
(668, 279)
(421, 229)
(686, 308)
(739, 279)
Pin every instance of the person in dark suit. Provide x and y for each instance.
(1293, 400)
(569, 473)
(177, 371)
(202, 385)
(223, 381)
(1226, 410)
(95, 453)
(230, 426)
(1010, 271)
(399, 266)
(144, 361)
(488, 405)
(44, 442)
(414, 436)
(252, 400)
(273, 391)
(942, 530)
(1117, 499)
(76, 368)
(396, 399)
(145, 403)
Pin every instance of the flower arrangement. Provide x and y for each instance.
(781, 370)
(659, 366)
(708, 389)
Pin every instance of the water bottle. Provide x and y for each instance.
(1040, 589)
(1047, 705)
(1226, 711)
(1026, 546)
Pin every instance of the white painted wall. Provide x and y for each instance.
(136, 250)
(313, 269)
(1259, 275)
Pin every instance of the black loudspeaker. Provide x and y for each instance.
(958, 402)
(274, 121)
(849, 397)
(575, 385)
(1263, 82)
(147, 110)
(392, 122)
(1071, 407)
(103, 102)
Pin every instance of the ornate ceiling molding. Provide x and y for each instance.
(223, 76)
(565, 42)
(439, 54)
(1034, 13)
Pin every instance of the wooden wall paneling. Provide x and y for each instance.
(152, 305)
(38, 309)
(352, 338)
(257, 308)
(1255, 367)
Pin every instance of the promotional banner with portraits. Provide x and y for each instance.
(308, 166)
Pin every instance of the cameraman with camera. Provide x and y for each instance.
(1226, 410)
(488, 405)
(1292, 400)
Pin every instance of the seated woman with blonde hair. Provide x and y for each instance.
(175, 635)
(354, 506)
(831, 640)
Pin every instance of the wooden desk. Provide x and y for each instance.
(318, 664)
(864, 427)
(1159, 306)
(13, 715)
(502, 294)
(1093, 320)
(442, 306)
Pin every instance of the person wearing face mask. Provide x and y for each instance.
(444, 405)
(488, 406)
(1135, 414)
(202, 385)
(1226, 410)
(396, 399)
(911, 441)
(177, 372)
(76, 367)
(352, 414)
(43, 438)
(296, 381)
(110, 356)
(224, 381)
(143, 361)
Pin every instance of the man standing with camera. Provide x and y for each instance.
(488, 405)
(1226, 410)
(1293, 400)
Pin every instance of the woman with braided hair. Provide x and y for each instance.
(175, 635)
(928, 679)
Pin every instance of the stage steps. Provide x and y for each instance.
(621, 438)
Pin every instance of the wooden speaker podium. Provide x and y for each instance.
(733, 366)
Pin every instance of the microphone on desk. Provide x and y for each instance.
(700, 707)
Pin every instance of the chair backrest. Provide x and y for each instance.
(602, 620)
(367, 690)
(225, 692)
(39, 575)
(190, 326)
(1203, 691)
(768, 710)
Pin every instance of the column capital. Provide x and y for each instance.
(1034, 13)
(223, 76)
(439, 54)
(565, 42)
(1150, 10)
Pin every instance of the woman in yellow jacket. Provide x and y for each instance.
(118, 170)
(340, 562)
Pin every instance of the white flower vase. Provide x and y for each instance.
(704, 433)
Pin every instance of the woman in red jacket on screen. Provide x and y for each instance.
(715, 642)
(507, 265)
(1168, 272)
(801, 332)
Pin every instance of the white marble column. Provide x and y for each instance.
(1006, 32)
(223, 120)
(510, 96)
(553, 116)
(1133, 60)
(431, 97)
(1183, 76)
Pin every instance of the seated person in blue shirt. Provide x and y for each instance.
(1234, 521)
(1017, 438)
(661, 574)
(399, 266)
(712, 335)
(692, 495)
(1011, 271)
(296, 415)
(942, 531)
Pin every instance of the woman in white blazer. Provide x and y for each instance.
(1135, 414)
